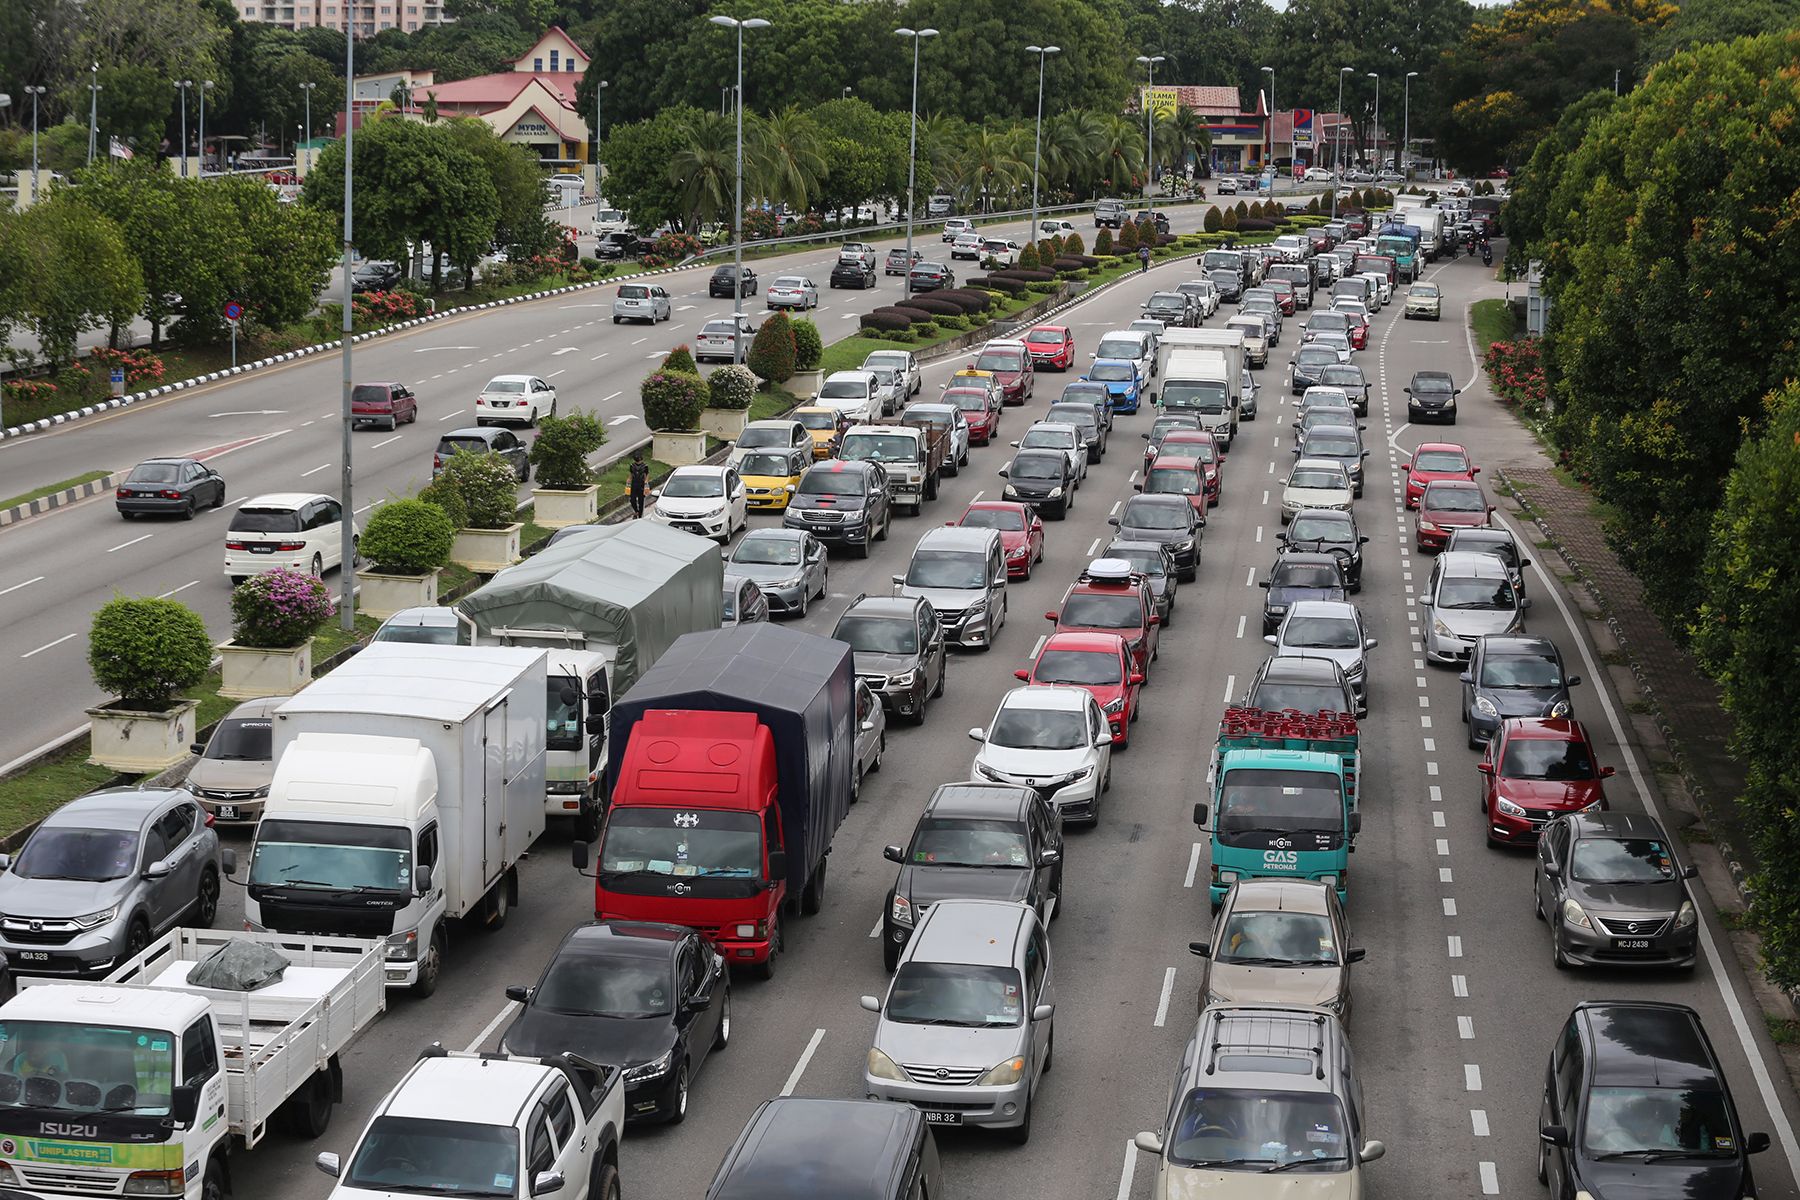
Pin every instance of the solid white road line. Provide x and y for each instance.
(793, 1080)
(15, 587)
(1162, 1004)
(134, 541)
(492, 1025)
(1193, 866)
(1131, 1151)
(47, 645)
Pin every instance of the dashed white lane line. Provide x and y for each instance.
(1478, 1122)
(1453, 946)
(482, 1037)
(598, 356)
(1490, 1179)
(1444, 875)
(449, 416)
(1250, 577)
(184, 587)
(134, 541)
(1472, 1076)
(1437, 818)
(563, 351)
(1459, 986)
(1128, 1170)
(1449, 906)
(385, 442)
(1443, 847)
(812, 1047)
(1162, 1004)
(15, 587)
(316, 470)
(1230, 687)
(1193, 866)
(1241, 620)
(47, 645)
(1431, 768)
(1465, 1028)
(620, 420)
(875, 930)
(614, 396)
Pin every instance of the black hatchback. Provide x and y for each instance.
(179, 486)
(1635, 1104)
(1043, 479)
(721, 283)
(852, 273)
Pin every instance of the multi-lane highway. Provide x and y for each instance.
(1456, 1005)
(278, 430)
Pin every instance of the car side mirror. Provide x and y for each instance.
(1407, 390)
(1137, 487)
(1355, 823)
(1756, 1143)
(1523, 563)
(1573, 681)
(330, 1164)
(1364, 539)
(1201, 812)
(1465, 677)
(1690, 872)
(1371, 643)
(1554, 1135)
(1005, 472)
(978, 734)
(545, 1182)
(1552, 870)
(1137, 677)
(1370, 1151)
(1113, 521)
(518, 992)
(1525, 603)
(1022, 674)
(870, 1004)
(197, 748)
(1486, 768)
(894, 853)
(158, 869)
(1048, 858)
(1355, 954)
(1608, 772)
(184, 1104)
(1043, 1012)
(1155, 619)
(778, 864)
(1050, 616)
(1149, 1143)
(1014, 445)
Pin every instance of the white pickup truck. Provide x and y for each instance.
(136, 1085)
(462, 1124)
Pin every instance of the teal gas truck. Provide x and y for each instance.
(1284, 798)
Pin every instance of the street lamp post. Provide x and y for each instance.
(1379, 163)
(912, 148)
(737, 283)
(600, 87)
(1406, 122)
(205, 86)
(1149, 61)
(1337, 147)
(34, 93)
(1037, 144)
(846, 93)
(1270, 152)
(93, 110)
(181, 86)
(306, 90)
(347, 547)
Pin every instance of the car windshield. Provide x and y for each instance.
(1658, 1121)
(967, 399)
(947, 569)
(1435, 384)
(243, 739)
(696, 486)
(1483, 594)
(1424, 291)
(1321, 529)
(1326, 480)
(880, 447)
(587, 985)
(831, 483)
(1084, 667)
(419, 635)
(1036, 466)
(505, 385)
(1082, 416)
(1044, 336)
(719, 329)
(1547, 759)
(1325, 414)
(1223, 278)
(1621, 860)
(268, 520)
(87, 855)
(86, 1068)
(1163, 426)
(879, 635)
(1143, 562)
(1533, 671)
(157, 472)
(959, 994)
(969, 842)
(844, 389)
(427, 1156)
(1010, 520)
(765, 465)
(1167, 300)
(1019, 727)
(817, 420)
(1321, 633)
(1111, 372)
(1048, 439)
(1243, 1130)
(1119, 348)
(697, 841)
(1251, 327)
(1155, 516)
(1440, 460)
(1343, 375)
(1207, 397)
(1180, 481)
(1200, 449)
(463, 445)
(765, 436)
(1331, 445)
(729, 600)
(1299, 939)
(1455, 499)
(1000, 360)
(767, 551)
(331, 856)
(1091, 610)
(1501, 547)
(1276, 696)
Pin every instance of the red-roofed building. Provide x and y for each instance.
(531, 105)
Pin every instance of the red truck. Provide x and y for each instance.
(738, 757)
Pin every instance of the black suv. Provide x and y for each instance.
(842, 502)
(1431, 396)
(852, 273)
(1308, 685)
(1635, 1104)
(897, 647)
(720, 284)
(974, 841)
(1171, 308)
(1041, 478)
(621, 246)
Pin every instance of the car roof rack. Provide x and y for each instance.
(1111, 571)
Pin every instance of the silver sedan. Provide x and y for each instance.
(792, 291)
(787, 564)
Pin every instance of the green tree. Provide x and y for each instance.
(1526, 213)
(704, 167)
(1675, 289)
(864, 151)
(78, 274)
(287, 252)
(784, 149)
(171, 226)
(637, 158)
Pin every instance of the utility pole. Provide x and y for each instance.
(93, 110)
(1406, 123)
(1337, 150)
(737, 216)
(1271, 150)
(1149, 61)
(1037, 145)
(34, 93)
(205, 86)
(306, 89)
(181, 86)
(912, 151)
(347, 572)
(599, 90)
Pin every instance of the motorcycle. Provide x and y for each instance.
(1487, 255)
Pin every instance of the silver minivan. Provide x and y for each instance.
(642, 302)
(965, 1033)
(962, 571)
(1470, 595)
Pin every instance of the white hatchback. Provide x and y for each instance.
(856, 394)
(704, 500)
(301, 531)
(515, 400)
(717, 340)
(1316, 483)
(1054, 739)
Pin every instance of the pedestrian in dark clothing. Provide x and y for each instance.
(1143, 259)
(639, 482)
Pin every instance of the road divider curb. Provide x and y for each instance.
(44, 504)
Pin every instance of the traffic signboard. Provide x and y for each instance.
(233, 310)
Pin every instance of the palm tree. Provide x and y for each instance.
(992, 165)
(1183, 132)
(1121, 152)
(1072, 147)
(789, 167)
(705, 167)
(940, 152)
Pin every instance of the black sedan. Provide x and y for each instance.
(721, 283)
(930, 277)
(619, 246)
(852, 273)
(1044, 479)
(181, 486)
(375, 276)
(1167, 520)
(655, 999)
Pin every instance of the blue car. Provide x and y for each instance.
(1120, 375)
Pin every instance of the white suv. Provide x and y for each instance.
(515, 400)
(956, 225)
(302, 531)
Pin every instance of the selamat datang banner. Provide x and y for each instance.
(1163, 101)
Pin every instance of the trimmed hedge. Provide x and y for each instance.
(1255, 225)
(885, 319)
(998, 283)
(969, 302)
(936, 307)
(1024, 276)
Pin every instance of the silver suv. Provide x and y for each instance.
(103, 875)
(1263, 1089)
(965, 1033)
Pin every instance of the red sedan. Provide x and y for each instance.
(1021, 532)
(1284, 295)
(1051, 346)
(1446, 505)
(1099, 662)
(1175, 474)
(1534, 770)
(1358, 330)
(1205, 448)
(1436, 460)
(981, 408)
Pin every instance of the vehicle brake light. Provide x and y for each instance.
(170, 495)
(290, 547)
(236, 546)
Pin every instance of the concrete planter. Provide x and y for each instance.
(485, 551)
(381, 596)
(726, 424)
(679, 448)
(251, 671)
(135, 742)
(805, 384)
(554, 508)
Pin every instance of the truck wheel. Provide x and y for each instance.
(765, 970)
(212, 1187)
(812, 897)
(501, 899)
(606, 1183)
(308, 1113)
(431, 967)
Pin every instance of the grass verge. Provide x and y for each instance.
(1491, 321)
(50, 489)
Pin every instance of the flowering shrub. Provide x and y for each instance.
(28, 391)
(141, 366)
(672, 400)
(759, 223)
(381, 307)
(1516, 372)
(672, 247)
(653, 261)
(278, 609)
(731, 387)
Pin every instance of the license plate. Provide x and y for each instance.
(262, 549)
(935, 1117)
(1631, 943)
(228, 812)
(32, 956)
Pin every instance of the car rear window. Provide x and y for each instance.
(265, 520)
(505, 385)
(154, 473)
(369, 393)
(453, 445)
(632, 291)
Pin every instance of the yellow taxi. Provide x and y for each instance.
(969, 377)
(825, 426)
(771, 474)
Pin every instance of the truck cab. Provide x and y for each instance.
(905, 452)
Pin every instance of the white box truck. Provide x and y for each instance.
(1412, 210)
(1207, 379)
(149, 1082)
(408, 784)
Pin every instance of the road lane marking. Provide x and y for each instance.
(1093, 546)
(1038, 648)
(385, 442)
(1437, 818)
(1478, 1121)
(1250, 578)
(1444, 875)
(1490, 1179)
(47, 645)
(1449, 906)
(316, 470)
(492, 1025)
(1459, 986)
(1465, 1028)
(793, 1080)
(134, 541)
(1443, 847)
(1230, 687)
(1193, 866)
(1162, 1004)
(1131, 1151)
(598, 356)
(1431, 768)
(184, 587)
(1241, 620)
(449, 416)
(621, 419)
(1472, 1076)
(1259, 533)
(429, 349)
(563, 351)
(1430, 745)
(15, 587)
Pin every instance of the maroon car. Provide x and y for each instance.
(1448, 504)
(389, 405)
(980, 408)
(1021, 532)
(1010, 363)
(1536, 769)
